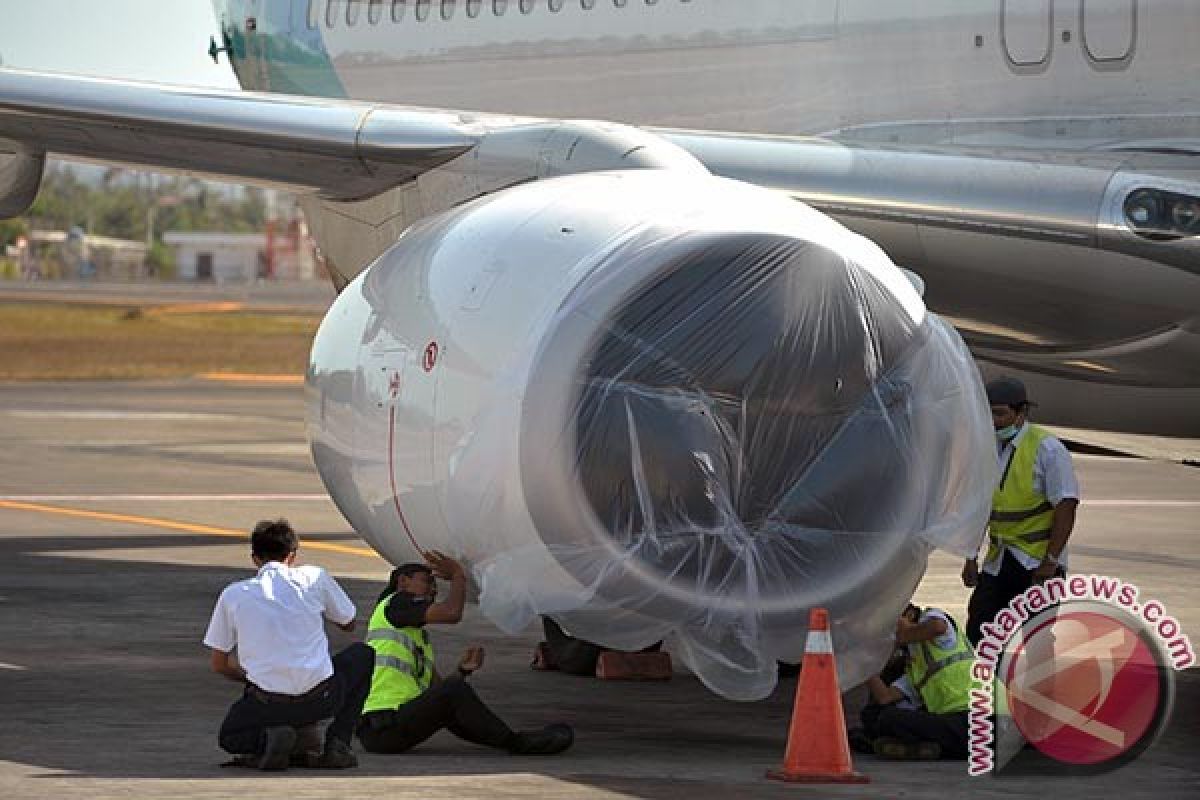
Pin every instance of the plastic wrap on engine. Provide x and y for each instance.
(715, 432)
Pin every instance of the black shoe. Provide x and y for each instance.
(337, 755)
(546, 742)
(898, 750)
(277, 751)
(307, 748)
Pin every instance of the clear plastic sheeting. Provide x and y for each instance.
(656, 406)
(717, 431)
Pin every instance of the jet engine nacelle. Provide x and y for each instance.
(652, 404)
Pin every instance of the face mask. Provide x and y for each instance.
(1006, 434)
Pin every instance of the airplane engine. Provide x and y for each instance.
(656, 405)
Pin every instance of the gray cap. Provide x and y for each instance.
(1007, 391)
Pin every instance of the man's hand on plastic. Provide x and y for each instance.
(471, 661)
(970, 573)
(444, 567)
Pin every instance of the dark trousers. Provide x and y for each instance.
(909, 725)
(571, 655)
(994, 592)
(576, 656)
(243, 731)
(451, 704)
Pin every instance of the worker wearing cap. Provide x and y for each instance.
(1033, 509)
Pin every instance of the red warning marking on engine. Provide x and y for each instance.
(394, 384)
(431, 356)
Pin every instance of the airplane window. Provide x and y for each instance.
(526, 6)
(314, 13)
(331, 13)
(499, 7)
(375, 12)
(473, 8)
(448, 8)
(353, 8)
(651, 2)
(398, 10)
(587, 5)
(555, 5)
(619, 3)
(422, 10)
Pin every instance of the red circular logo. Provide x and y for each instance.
(430, 357)
(1084, 687)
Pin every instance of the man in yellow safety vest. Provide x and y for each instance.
(1033, 509)
(409, 701)
(922, 714)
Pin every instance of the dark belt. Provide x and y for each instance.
(263, 696)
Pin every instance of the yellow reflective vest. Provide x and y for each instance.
(403, 662)
(942, 677)
(1021, 516)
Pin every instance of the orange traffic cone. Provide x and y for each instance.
(817, 750)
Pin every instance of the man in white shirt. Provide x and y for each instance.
(1033, 509)
(275, 621)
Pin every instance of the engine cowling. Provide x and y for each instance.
(652, 404)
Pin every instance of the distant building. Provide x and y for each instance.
(74, 254)
(219, 257)
(243, 257)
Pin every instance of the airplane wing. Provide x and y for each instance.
(339, 149)
(345, 150)
(1069, 224)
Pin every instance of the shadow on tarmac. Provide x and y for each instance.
(112, 681)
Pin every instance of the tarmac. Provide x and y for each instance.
(123, 514)
(274, 296)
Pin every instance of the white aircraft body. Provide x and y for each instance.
(509, 192)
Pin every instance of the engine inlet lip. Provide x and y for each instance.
(556, 501)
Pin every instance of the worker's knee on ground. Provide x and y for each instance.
(237, 743)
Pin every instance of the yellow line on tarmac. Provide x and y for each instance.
(219, 307)
(245, 377)
(169, 524)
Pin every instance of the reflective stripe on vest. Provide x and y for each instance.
(1022, 517)
(940, 664)
(403, 662)
(942, 677)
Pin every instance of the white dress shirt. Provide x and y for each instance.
(1053, 476)
(275, 621)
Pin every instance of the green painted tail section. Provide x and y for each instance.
(273, 49)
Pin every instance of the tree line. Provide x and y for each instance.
(126, 204)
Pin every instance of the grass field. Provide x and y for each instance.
(47, 341)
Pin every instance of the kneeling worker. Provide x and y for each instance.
(409, 702)
(275, 621)
(922, 714)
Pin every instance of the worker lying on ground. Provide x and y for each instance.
(409, 701)
(923, 713)
(563, 652)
